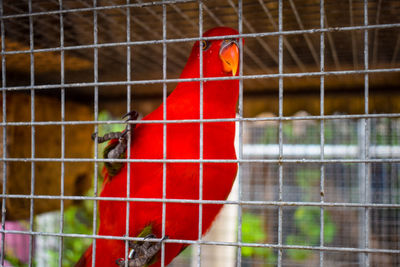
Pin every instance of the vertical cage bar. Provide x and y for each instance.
(280, 210)
(361, 189)
(366, 136)
(240, 154)
(96, 117)
(32, 83)
(322, 130)
(129, 128)
(4, 141)
(164, 177)
(201, 132)
(62, 80)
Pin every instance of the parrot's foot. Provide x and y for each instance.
(108, 136)
(141, 253)
(120, 148)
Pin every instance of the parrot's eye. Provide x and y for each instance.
(205, 45)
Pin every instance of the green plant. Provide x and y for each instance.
(14, 261)
(77, 220)
(253, 231)
(307, 221)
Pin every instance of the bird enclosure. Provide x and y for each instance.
(317, 126)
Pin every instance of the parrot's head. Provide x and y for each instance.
(220, 56)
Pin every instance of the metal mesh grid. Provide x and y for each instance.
(342, 184)
(271, 54)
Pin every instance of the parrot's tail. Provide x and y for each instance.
(86, 259)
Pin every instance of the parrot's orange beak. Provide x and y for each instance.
(229, 55)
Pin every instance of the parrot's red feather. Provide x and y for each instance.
(182, 179)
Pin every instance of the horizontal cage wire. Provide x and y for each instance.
(317, 133)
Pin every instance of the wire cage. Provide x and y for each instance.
(318, 125)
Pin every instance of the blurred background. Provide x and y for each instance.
(66, 61)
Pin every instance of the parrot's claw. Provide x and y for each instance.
(132, 116)
(141, 254)
(120, 148)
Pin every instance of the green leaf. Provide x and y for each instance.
(307, 220)
(253, 231)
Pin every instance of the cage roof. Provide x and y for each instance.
(96, 37)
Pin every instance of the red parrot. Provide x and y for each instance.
(220, 59)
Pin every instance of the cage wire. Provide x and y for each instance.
(318, 125)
